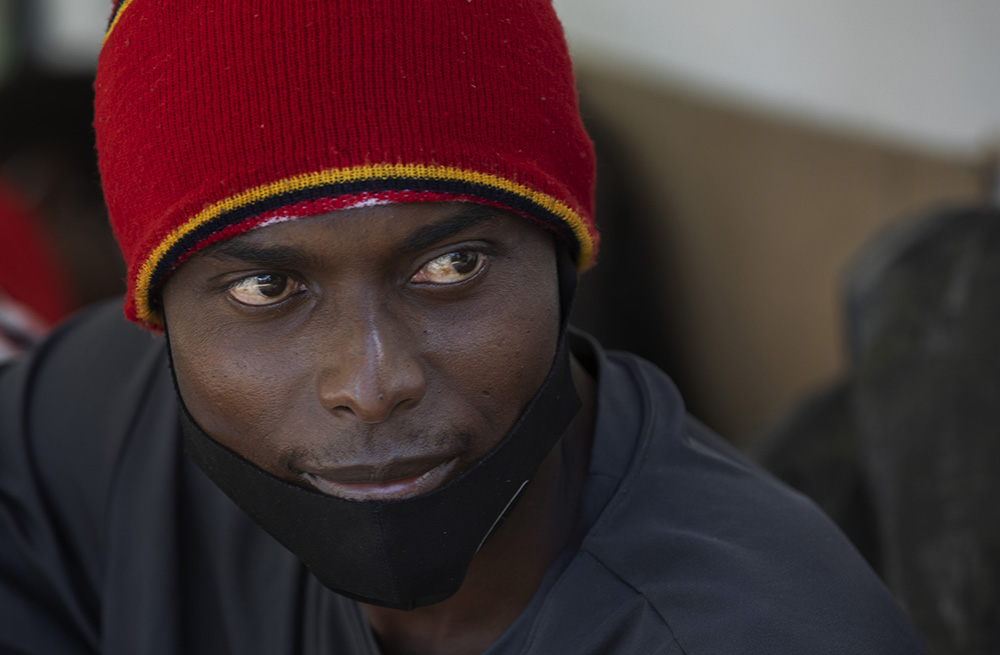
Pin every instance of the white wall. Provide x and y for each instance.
(924, 72)
(69, 33)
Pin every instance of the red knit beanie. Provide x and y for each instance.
(217, 116)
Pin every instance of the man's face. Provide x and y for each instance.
(372, 353)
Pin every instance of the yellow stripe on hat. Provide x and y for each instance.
(415, 172)
(114, 21)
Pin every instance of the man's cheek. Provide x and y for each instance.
(230, 396)
(494, 329)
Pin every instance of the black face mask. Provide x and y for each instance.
(411, 552)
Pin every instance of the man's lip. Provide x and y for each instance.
(390, 481)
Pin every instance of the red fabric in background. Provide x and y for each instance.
(29, 269)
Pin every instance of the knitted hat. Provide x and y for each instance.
(214, 117)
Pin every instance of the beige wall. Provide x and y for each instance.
(756, 219)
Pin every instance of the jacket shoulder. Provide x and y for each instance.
(729, 557)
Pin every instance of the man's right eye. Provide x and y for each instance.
(265, 289)
(450, 268)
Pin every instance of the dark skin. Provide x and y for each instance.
(377, 353)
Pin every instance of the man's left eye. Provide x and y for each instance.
(263, 290)
(450, 268)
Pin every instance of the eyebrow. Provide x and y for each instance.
(428, 235)
(281, 257)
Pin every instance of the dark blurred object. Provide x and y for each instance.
(905, 454)
(47, 154)
(46, 140)
(815, 449)
(621, 300)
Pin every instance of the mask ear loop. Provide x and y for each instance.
(568, 277)
(170, 361)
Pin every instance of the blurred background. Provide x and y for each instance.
(768, 141)
(56, 251)
(797, 201)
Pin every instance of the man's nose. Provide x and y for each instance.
(371, 370)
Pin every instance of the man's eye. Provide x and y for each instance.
(450, 268)
(261, 290)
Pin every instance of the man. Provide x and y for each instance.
(358, 226)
